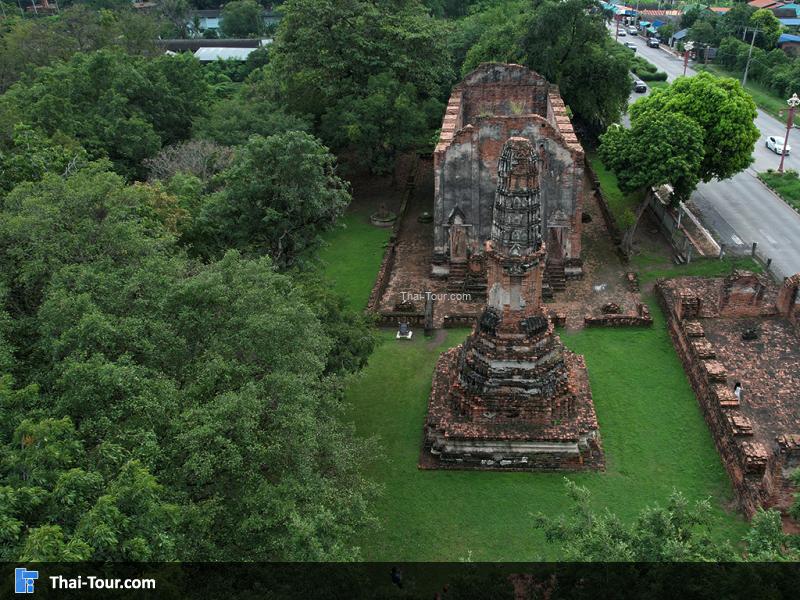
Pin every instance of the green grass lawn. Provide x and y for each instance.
(622, 205)
(352, 255)
(786, 185)
(765, 99)
(652, 429)
(653, 266)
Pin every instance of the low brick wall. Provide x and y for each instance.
(752, 467)
(388, 319)
(388, 261)
(642, 318)
(383, 276)
(456, 321)
(605, 210)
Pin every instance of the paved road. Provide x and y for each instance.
(741, 210)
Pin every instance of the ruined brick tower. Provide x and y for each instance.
(511, 396)
(493, 103)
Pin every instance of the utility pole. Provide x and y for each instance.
(792, 102)
(749, 56)
(687, 48)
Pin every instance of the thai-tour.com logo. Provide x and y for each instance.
(24, 582)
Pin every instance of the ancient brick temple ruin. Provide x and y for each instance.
(743, 329)
(511, 396)
(494, 103)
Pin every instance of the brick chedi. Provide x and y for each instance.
(511, 396)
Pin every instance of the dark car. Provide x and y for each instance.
(653, 42)
(639, 86)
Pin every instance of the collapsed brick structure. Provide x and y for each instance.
(742, 329)
(492, 104)
(511, 396)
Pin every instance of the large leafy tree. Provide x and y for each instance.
(768, 26)
(568, 44)
(721, 108)
(280, 193)
(665, 148)
(242, 18)
(328, 50)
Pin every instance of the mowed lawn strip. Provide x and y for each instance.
(653, 432)
(352, 255)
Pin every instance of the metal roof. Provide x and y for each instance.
(213, 54)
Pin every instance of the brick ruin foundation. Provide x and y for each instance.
(511, 396)
(743, 329)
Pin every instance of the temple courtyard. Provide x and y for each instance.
(654, 437)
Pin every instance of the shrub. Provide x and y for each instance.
(657, 76)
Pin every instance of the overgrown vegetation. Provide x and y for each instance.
(621, 204)
(786, 184)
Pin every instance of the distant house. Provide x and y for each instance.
(214, 54)
(770, 4)
(211, 20)
(789, 43)
(213, 50)
(204, 20)
(678, 36)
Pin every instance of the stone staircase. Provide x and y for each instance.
(457, 277)
(462, 280)
(555, 280)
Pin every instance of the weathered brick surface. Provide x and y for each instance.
(757, 435)
(492, 104)
(511, 396)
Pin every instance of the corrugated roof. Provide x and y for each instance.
(790, 22)
(764, 3)
(788, 38)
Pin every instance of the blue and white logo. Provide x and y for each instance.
(23, 580)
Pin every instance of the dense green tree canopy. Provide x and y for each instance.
(112, 104)
(29, 43)
(280, 193)
(722, 109)
(242, 18)
(166, 409)
(341, 63)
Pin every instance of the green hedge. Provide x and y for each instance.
(657, 76)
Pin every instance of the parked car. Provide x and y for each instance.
(630, 46)
(653, 42)
(776, 145)
(632, 30)
(621, 33)
(639, 86)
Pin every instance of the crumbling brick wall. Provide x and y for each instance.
(757, 471)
